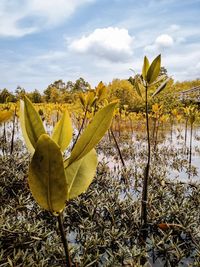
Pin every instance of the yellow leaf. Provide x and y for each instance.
(5, 115)
(154, 70)
(93, 133)
(31, 123)
(80, 174)
(46, 176)
(23, 128)
(145, 68)
(62, 133)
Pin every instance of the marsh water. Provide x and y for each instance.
(176, 148)
(104, 223)
(175, 141)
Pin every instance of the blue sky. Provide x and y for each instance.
(45, 40)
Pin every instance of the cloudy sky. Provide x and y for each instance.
(45, 40)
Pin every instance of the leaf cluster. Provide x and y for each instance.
(52, 179)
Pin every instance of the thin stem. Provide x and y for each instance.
(64, 240)
(13, 133)
(146, 171)
(190, 155)
(118, 149)
(83, 121)
(186, 125)
(4, 138)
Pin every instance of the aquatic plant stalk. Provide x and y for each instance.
(146, 171)
(81, 128)
(64, 240)
(13, 133)
(118, 148)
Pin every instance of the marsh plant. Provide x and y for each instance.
(54, 180)
(143, 83)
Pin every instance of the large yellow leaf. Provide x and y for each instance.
(145, 68)
(31, 123)
(5, 115)
(62, 133)
(46, 177)
(93, 133)
(23, 128)
(154, 70)
(80, 174)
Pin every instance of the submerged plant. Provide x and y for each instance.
(52, 179)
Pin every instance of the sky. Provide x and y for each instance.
(46, 40)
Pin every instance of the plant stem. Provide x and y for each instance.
(146, 171)
(4, 138)
(13, 133)
(82, 124)
(118, 149)
(64, 240)
(186, 124)
(190, 152)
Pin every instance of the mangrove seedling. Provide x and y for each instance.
(143, 83)
(53, 180)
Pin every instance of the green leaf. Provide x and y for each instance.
(82, 99)
(80, 174)
(31, 123)
(161, 87)
(154, 70)
(159, 79)
(137, 86)
(62, 133)
(145, 68)
(46, 176)
(93, 132)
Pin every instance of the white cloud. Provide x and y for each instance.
(164, 40)
(15, 14)
(112, 44)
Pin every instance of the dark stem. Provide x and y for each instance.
(64, 240)
(146, 171)
(156, 135)
(118, 149)
(190, 154)
(13, 133)
(79, 132)
(119, 120)
(172, 123)
(186, 124)
(4, 138)
(57, 116)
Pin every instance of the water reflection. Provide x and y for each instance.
(172, 153)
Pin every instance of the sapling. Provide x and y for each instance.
(53, 180)
(5, 115)
(192, 115)
(150, 77)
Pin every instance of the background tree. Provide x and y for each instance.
(81, 85)
(19, 92)
(35, 96)
(6, 96)
(123, 90)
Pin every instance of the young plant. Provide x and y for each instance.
(5, 115)
(53, 180)
(143, 83)
(192, 115)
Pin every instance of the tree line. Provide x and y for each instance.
(122, 89)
